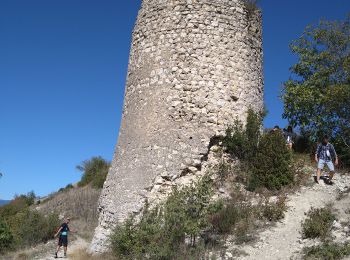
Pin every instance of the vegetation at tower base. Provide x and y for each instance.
(317, 98)
(161, 232)
(263, 155)
(190, 222)
(94, 171)
(242, 142)
(272, 167)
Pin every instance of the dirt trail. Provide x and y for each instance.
(77, 244)
(284, 241)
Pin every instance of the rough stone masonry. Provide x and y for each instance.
(195, 65)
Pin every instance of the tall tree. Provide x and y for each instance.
(317, 97)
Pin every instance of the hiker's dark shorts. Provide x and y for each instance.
(63, 241)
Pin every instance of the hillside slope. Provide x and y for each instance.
(281, 241)
(285, 241)
(80, 204)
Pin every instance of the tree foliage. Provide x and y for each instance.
(94, 171)
(242, 142)
(264, 156)
(316, 98)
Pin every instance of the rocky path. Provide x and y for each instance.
(284, 241)
(77, 244)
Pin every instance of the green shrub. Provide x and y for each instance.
(223, 170)
(94, 171)
(20, 226)
(242, 142)
(274, 211)
(161, 232)
(272, 166)
(18, 204)
(224, 221)
(264, 156)
(29, 227)
(68, 187)
(318, 223)
(327, 251)
(6, 237)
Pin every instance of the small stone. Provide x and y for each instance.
(159, 180)
(222, 190)
(192, 169)
(336, 225)
(164, 175)
(229, 255)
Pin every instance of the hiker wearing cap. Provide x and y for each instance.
(63, 237)
(325, 154)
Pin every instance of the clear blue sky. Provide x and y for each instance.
(63, 65)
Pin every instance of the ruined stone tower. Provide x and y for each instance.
(195, 65)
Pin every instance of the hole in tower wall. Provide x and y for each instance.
(234, 98)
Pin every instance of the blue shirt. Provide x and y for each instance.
(64, 230)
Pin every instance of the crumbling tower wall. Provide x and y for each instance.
(195, 65)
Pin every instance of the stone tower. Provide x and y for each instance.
(195, 65)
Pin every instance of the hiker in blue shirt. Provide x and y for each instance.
(325, 154)
(63, 237)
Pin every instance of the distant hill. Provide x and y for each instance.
(4, 202)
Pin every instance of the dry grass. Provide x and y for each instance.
(80, 204)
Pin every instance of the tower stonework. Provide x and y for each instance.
(195, 66)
